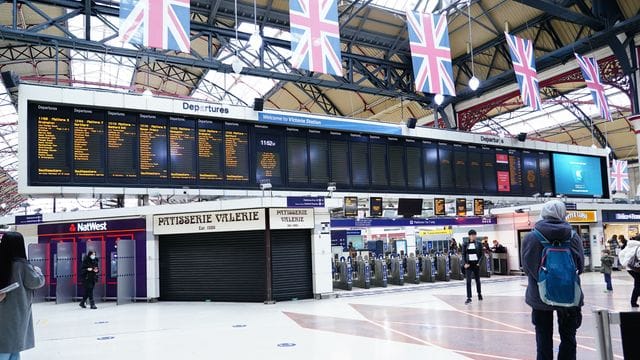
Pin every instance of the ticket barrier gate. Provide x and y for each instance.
(362, 278)
(485, 266)
(379, 267)
(428, 273)
(396, 271)
(413, 270)
(441, 268)
(343, 277)
(456, 267)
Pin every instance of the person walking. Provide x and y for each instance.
(16, 319)
(630, 254)
(471, 255)
(555, 229)
(89, 274)
(606, 268)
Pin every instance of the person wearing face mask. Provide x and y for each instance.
(89, 277)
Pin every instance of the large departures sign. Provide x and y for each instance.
(106, 147)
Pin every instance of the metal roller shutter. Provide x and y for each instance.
(213, 266)
(291, 264)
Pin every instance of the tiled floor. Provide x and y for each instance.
(425, 323)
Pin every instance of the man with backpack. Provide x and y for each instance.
(553, 259)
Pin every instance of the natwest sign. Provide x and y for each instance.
(88, 226)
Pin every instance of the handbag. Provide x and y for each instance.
(634, 263)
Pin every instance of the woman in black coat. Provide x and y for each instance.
(89, 278)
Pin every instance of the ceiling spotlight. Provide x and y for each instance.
(439, 99)
(255, 41)
(147, 92)
(474, 83)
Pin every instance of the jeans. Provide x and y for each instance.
(636, 287)
(607, 280)
(88, 293)
(9, 356)
(473, 270)
(569, 320)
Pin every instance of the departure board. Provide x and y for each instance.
(122, 146)
(489, 181)
(339, 160)
(445, 158)
(210, 151)
(544, 166)
(153, 147)
(236, 151)
(431, 165)
(503, 172)
(414, 164)
(318, 160)
(88, 144)
(530, 173)
(515, 171)
(396, 163)
(378, 162)
(359, 161)
(182, 146)
(297, 160)
(475, 170)
(268, 158)
(460, 167)
(53, 126)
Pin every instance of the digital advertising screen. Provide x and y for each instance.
(375, 206)
(461, 207)
(478, 207)
(439, 207)
(350, 206)
(577, 175)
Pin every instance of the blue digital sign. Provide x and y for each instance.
(576, 175)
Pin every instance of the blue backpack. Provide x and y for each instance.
(558, 281)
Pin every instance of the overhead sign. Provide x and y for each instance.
(440, 221)
(582, 216)
(461, 206)
(210, 221)
(28, 219)
(351, 206)
(375, 206)
(326, 123)
(305, 201)
(436, 232)
(478, 207)
(291, 219)
(621, 216)
(439, 208)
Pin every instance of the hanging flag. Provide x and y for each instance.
(619, 176)
(591, 74)
(160, 24)
(315, 36)
(524, 65)
(430, 53)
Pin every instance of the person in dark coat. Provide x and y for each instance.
(471, 255)
(554, 227)
(89, 278)
(16, 319)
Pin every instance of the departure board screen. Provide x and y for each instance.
(475, 169)
(153, 147)
(445, 156)
(431, 165)
(88, 144)
(378, 162)
(489, 171)
(460, 167)
(122, 146)
(182, 145)
(359, 161)
(53, 126)
(414, 164)
(503, 172)
(269, 158)
(339, 160)
(515, 171)
(297, 160)
(396, 164)
(318, 160)
(544, 166)
(236, 153)
(530, 173)
(210, 151)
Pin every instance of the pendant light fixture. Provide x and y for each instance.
(236, 65)
(474, 82)
(255, 41)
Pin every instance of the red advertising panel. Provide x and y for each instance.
(504, 185)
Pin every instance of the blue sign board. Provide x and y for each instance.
(326, 123)
(305, 201)
(571, 206)
(339, 238)
(28, 219)
(620, 216)
(370, 222)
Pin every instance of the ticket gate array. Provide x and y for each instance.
(362, 275)
(456, 267)
(342, 274)
(379, 277)
(485, 265)
(396, 270)
(413, 270)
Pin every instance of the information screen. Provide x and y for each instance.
(577, 175)
(182, 144)
(475, 170)
(414, 164)
(318, 157)
(378, 163)
(210, 151)
(515, 171)
(122, 146)
(530, 173)
(297, 159)
(236, 153)
(88, 144)
(544, 165)
(339, 161)
(396, 164)
(359, 162)
(489, 171)
(269, 160)
(503, 172)
(460, 167)
(153, 147)
(53, 126)
(431, 165)
(445, 155)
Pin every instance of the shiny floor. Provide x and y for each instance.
(425, 323)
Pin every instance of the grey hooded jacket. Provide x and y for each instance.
(16, 322)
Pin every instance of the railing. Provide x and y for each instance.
(629, 323)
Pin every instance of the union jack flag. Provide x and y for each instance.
(619, 176)
(315, 36)
(524, 65)
(591, 74)
(430, 53)
(161, 24)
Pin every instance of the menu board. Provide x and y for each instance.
(378, 162)
(153, 147)
(268, 161)
(297, 159)
(182, 145)
(359, 162)
(318, 157)
(88, 144)
(396, 164)
(53, 138)
(210, 151)
(439, 207)
(236, 153)
(122, 146)
(431, 165)
(414, 164)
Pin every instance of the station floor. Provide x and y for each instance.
(426, 323)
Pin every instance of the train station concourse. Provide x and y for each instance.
(335, 179)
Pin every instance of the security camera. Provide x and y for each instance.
(265, 186)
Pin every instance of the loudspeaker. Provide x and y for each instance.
(522, 137)
(10, 79)
(411, 123)
(258, 104)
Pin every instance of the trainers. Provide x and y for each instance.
(467, 302)
(82, 305)
(634, 305)
(93, 307)
(480, 297)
